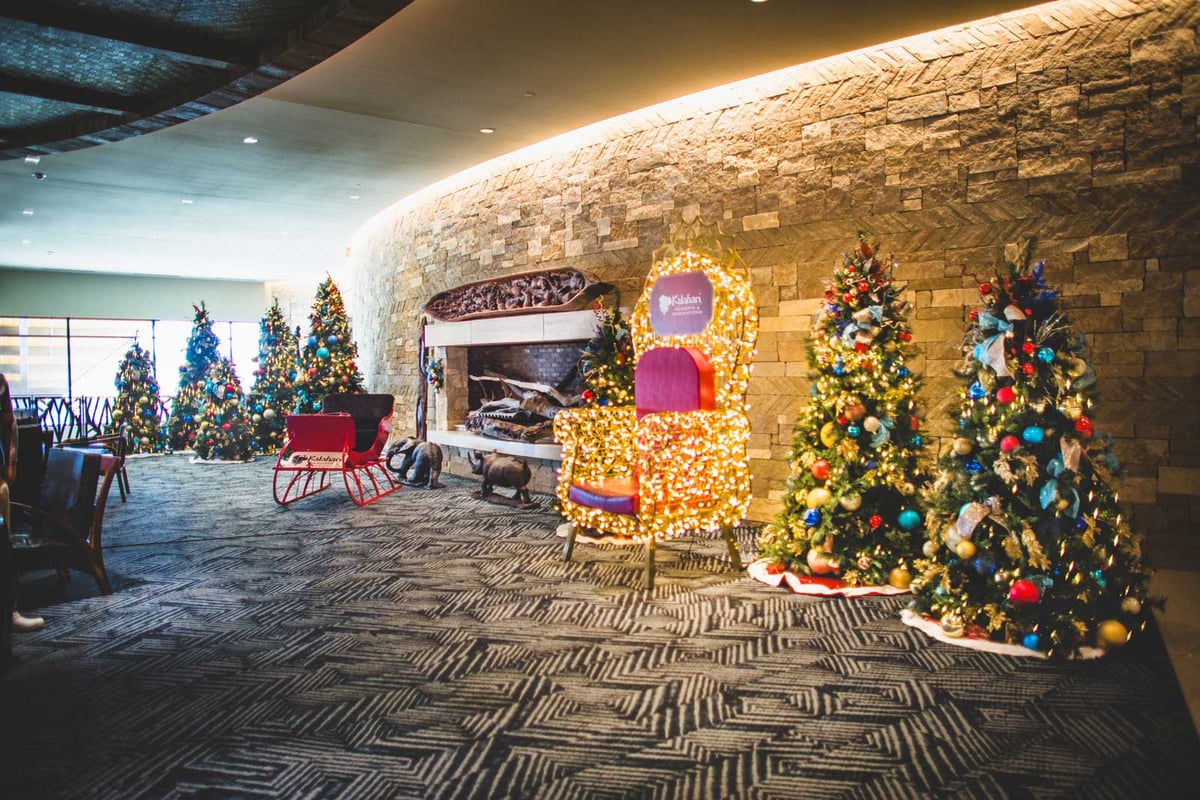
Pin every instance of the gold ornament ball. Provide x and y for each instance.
(1111, 634)
(118, 413)
(907, 489)
(145, 440)
(962, 446)
(965, 549)
(929, 548)
(900, 578)
(257, 417)
(952, 625)
(143, 399)
(850, 502)
(819, 562)
(1131, 606)
(269, 413)
(818, 497)
(871, 424)
(800, 496)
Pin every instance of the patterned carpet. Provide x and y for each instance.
(435, 646)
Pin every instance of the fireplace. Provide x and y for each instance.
(534, 348)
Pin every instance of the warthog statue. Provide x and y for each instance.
(502, 471)
(424, 459)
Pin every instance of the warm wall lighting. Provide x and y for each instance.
(487, 130)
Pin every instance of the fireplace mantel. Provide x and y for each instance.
(444, 337)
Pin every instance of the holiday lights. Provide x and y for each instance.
(135, 410)
(274, 394)
(189, 398)
(688, 468)
(223, 430)
(327, 359)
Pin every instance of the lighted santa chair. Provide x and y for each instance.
(348, 436)
(675, 462)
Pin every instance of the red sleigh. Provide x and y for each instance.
(347, 437)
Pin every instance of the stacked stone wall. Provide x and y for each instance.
(1074, 122)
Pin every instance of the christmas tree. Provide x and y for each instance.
(274, 395)
(607, 363)
(1025, 541)
(224, 429)
(849, 510)
(201, 354)
(327, 360)
(135, 410)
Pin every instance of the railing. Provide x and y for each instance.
(86, 416)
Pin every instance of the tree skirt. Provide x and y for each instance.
(198, 460)
(930, 626)
(826, 587)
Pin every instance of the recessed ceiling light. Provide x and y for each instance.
(28, 212)
(250, 140)
(354, 196)
(33, 159)
(529, 94)
(187, 201)
(284, 233)
(26, 241)
(758, 1)
(487, 130)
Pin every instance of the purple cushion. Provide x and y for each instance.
(614, 495)
(673, 379)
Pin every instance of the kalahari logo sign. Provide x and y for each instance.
(681, 304)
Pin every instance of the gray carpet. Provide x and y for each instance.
(435, 646)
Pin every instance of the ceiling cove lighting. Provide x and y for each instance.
(487, 130)
(33, 159)
(27, 212)
(250, 140)
(187, 201)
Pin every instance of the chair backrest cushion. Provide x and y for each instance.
(68, 491)
(321, 436)
(673, 379)
(368, 410)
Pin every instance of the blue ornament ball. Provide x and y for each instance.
(985, 564)
(902, 372)
(839, 369)
(977, 392)
(1033, 434)
(872, 465)
(974, 467)
(187, 417)
(1080, 523)
(258, 407)
(312, 341)
(1045, 355)
(322, 352)
(332, 339)
(908, 519)
(916, 440)
(812, 517)
(853, 430)
(1031, 641)
(316, 406)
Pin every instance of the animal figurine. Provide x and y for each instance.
(423, 458)
(502, 470)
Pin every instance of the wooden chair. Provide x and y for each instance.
(114, 444)
(62, 531)
(674, 462)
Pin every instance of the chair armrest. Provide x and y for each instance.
(596, 442)
(693, 469)
(57, 523)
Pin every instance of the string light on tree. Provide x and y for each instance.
(327, 357)
(136, 407)
(274, 393)
(850, 512)
(607, 362)
(189, 398)
(223, 431)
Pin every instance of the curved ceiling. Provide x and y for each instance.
(84, 73)
(396, 111)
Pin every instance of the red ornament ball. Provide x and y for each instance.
(312, 371)
(1005, 394)
(229, 387)
(1009, 443)
(820, 469)
(875, 520)
(848, 298)
(843, 420)
(860, 347)
(905, 336)
(227, 427)
(985, 288)
(914, 424)
(1027, 368)
(1027, 348)
(1024, 593)
(1083, 426)
(973, 314)
(588, 396)
(864, 287)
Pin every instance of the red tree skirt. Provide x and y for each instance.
(804, 584)
(979, 641)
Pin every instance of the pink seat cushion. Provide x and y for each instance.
(324, 433)
(614, 495)
(673, 379)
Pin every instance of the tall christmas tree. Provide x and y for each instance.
(224, 428)
(607, 363)
(135, 410)
(327, 360)
(1026, 543)
(274, 394)
(201, 354)
(850, 508)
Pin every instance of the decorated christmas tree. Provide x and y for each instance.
(224, 429)
(201, 354)
(135, 410)
(1026, 543)
(850, 515)
(607, 363)
(274, 395)
(327, 359)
